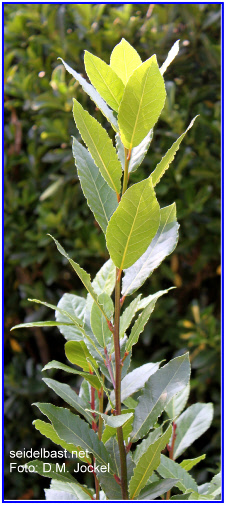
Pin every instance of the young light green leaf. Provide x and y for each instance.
(48, 431)
(161, 246)
(98, 322)
(147, 463)
(178, 402)
(105, 80)
(74, 430)
(137, 154)
(188, 464)
(77, 353)
(163, 165)
(85, 278)
(142, 103)
(157, 489)
(69, 396)
(94, 95)
(133, 224)
(158, 391)
(170, 57)
(143, 319)
(170, 469)
(100, 197)
(92, 379)
(75, 306)
(124, 60)
(128, 315)
(41, 324)
(99, 145)
(135, 380)
(191, 425)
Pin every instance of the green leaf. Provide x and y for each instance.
(69, 396)
(169, 156)
(114, 421)
(161, 246)
(98, 322)
(147, 463)
(100, 197)
(53, 473)
(178, 402)
(158, 391)
(77, 353)
(99, 145)
(145, 444)
(114, 492)
(105, 279)
(102, 382)
(40, 324)
(48, 431)
(157, 489)
(94, 95)
(200, 497)
(78, 322)
(59, 491)
(124, 60)
(72, 485)
(170, 57)
(127, 428)
(191, 425)
(188, 464)
(137, 153)
(133, 224)
(75, 306)
(135, 380)
(92, 379)
(130, 403)
(128, 315)
(143, 319)
(85, 278)
(74, 430)
(214, 488)
(142, 103)
(170, 469)
(105, 80)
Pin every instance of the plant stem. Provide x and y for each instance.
(171, 449)
(118, 369)
(125, 179)
(97, 485)
(101, 407)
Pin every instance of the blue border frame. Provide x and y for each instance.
(222, 249)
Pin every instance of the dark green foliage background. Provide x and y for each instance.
(42, 195)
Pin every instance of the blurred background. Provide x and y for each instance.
(43, 195)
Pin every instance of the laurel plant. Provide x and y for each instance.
(130, 427)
